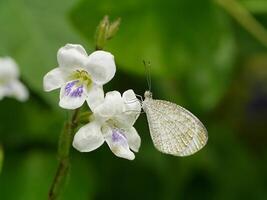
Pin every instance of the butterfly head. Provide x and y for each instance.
(148, 95)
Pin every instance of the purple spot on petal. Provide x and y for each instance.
(117, 136)
(69, 86)
(72, 90)
(77, 92)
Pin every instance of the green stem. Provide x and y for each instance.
(67, 134)
(64, 145)
(1, 157)
(243, 16)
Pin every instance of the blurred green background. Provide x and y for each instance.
(202, 58)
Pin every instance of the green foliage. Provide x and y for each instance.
(201, 58)
(31, 32)
(28, 175)
(185, 44)
(255, 6)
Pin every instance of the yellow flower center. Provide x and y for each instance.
(83, 77)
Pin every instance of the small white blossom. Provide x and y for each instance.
(80, 76)
(112, 122)
(10, 85)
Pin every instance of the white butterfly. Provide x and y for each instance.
(174, 130)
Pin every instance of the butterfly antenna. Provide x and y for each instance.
(148, 73)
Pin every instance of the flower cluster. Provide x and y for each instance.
(10, 85)
(81, 78)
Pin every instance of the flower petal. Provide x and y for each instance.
(132, 104)
(15, 89)
(101, 66)
(132, 109)
(95, 96)
(112, 105)
(8, 68)
(117, 143)
(72, 56)
(18, 90)
(133, 138)
(88, 138)
(54, 79)
(72, 95)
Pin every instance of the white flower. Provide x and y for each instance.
(80, 76)
(10, 85)
(112, 122)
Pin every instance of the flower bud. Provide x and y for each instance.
(113, 28)
(101, 33)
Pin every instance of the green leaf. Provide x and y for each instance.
(32, 32)
(255, 6)
(34, 122)
(191, 50)
(28, 175)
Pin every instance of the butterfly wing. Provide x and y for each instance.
(174, 130)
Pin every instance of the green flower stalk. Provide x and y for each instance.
(80, 78)
(1, 157)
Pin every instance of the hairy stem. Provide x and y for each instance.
(64, 145)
